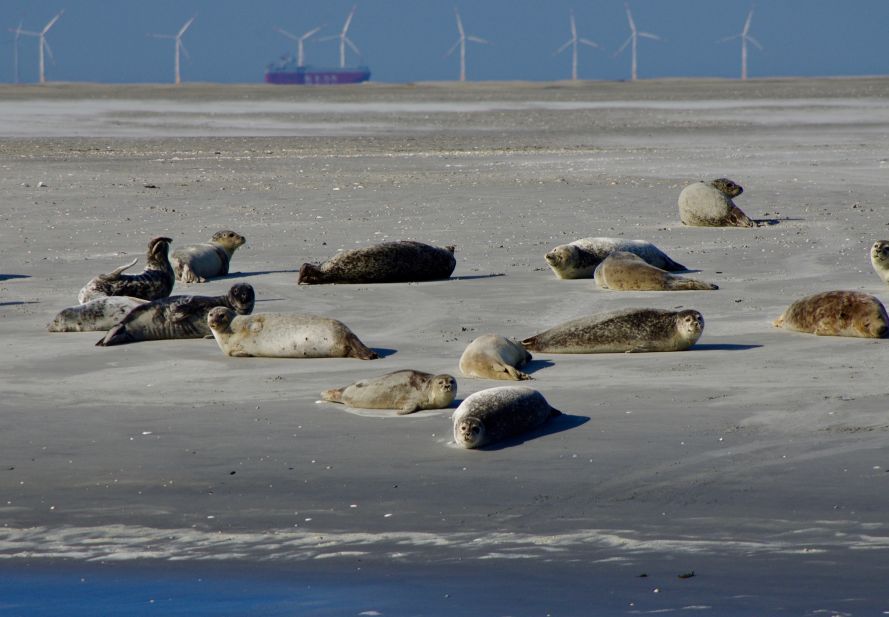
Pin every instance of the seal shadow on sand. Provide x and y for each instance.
(234, 275)
(6, 277)
(533, 366)
(555, 425)
(723, 347)
(17, 302)
(383, 352)
(472, 277)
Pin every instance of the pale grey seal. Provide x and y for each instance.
(491, 356)
(407, 391)
(284, 335)
(580, 258)
(709, 204)
(498, 413)
(622, 271)
(100, 314)
(198, 262)
(879, 259)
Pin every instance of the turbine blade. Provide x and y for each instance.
(728, 38)
(747, 23)
(624, 46)
(630, 17)
(52, 22)
(573, 26)
(649, 35)
(184, 50)
(186, 26)
(563, 47)
(352, 46)
(477, 39)
(309, 33)
(48, 51)
(754, 41)
(349, 19)
(329, 38)
(588, 42)
(285, 33)
(459, 23)
(453, 48)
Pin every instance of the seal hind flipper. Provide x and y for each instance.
(114, 274)
(117, 335)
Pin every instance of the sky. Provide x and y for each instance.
(406, 40)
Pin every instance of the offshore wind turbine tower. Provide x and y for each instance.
(461, 43)
(42, 45)
(744, 35)
(633, 38)
(179, 47)
(573, 42)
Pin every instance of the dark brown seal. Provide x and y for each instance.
(155, 281)
(389, 262)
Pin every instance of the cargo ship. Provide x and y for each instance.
(287, 71)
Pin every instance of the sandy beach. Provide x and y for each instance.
(758, 460)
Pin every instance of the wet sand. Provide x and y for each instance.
(757, 459)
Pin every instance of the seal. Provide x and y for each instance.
(198, 262)
(389, 262)
(580, 258)
(284, 335)
(626, 330)
(155, 281)
(494, 414)
(709, 204)
(100, 314)
(837, 313)
(177, 317)
(407, 391)
(879, 259)
(491, 356)
(622, 271)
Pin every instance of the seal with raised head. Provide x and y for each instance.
(177, 317)
(407, 391)
(580, 258)
(100, 314)
(709, 204)
(626, 330)
(837, 313)
(622, 271)
(198, 262)
(155, 281)
(404, 261)
(879, 259)
(491, 415)
(491, 356)
(284, 335)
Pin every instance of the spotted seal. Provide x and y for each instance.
(388, 262)
(580, 258)
(491, 415)
(198, 262)
(879, 259)
(100, 314)
(622, 271)
(491, 356)
(407, 391)
(626, 330)
(284, 335)
(837, 313)
(177, 317)
(155, 281)
(709, 204)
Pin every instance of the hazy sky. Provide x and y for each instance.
(405, 40)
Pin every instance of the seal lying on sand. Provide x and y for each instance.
(627, 330)
(407, 391)
(100, 314)
(284, 335)
(491, 356)
(155, 281)
(389, 262)
(837, 313)
(580, 258)
(499, 413)
(623, 271)
(709, 204)
(879, 259)
(177, 317)
(198, 262)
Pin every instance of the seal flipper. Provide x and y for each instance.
(309, 274)
(115, 274)
(118, 335)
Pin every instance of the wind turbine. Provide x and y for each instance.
(345, 40)
(42, 44)
(461, 43)
(300, 56)
(572, 42)
(15, 51)
(179, 45)
(634, 36)
(744, 36)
